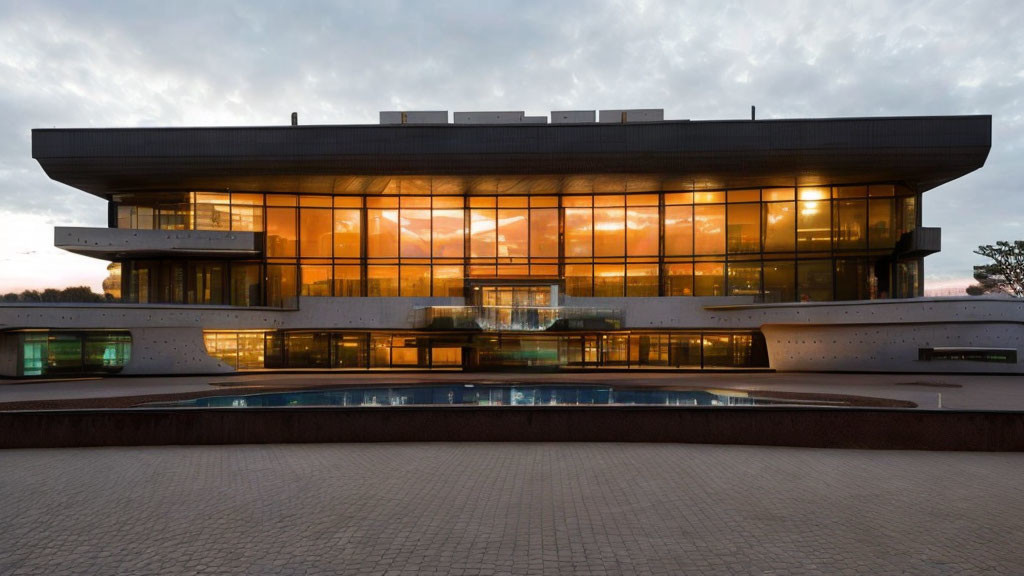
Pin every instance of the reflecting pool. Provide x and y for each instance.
(474, 395)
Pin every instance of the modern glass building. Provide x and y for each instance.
(501, 240)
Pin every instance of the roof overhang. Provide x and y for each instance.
(921, 152)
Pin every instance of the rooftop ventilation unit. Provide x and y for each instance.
(489, 117)
(415, 117)
(637, 115)
(573, 116)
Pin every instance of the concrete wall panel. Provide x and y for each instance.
(111, 242)
(887, 347)
(315, 313)
(8, 355)
(672, 312)
(117, 316)
(171, 351)
(896, 311)
(364, 313)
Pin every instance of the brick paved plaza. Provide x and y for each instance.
(509, 509)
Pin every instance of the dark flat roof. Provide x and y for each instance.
(922, 152)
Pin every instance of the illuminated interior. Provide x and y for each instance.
(429, 237)
(696, 350)
(65, 352)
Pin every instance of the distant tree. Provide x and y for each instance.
(50, 295)
(985, 283)
(1005, 275)
(30, 296)
(80, 294)
(69, 294)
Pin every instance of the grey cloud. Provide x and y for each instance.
(189, 63)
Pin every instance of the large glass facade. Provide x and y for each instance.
(777, 244)
(665, 350)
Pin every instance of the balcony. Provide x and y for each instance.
(116, 243)
(919, 242)
(517, 318)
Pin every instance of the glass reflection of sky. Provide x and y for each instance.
(471, 395)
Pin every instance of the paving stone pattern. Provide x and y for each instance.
(595, 509)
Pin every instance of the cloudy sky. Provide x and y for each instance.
(180, 63)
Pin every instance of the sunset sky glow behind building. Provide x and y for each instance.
(109, 64)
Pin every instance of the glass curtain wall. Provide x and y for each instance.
(192, 282)
(612, 242)
(691, 350)
(56, 352)
(415, 246)
(778, 244)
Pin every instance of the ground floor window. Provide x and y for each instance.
(61, 353)
(771, 277)
(620, 349)
(242, 350)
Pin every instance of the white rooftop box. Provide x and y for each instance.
(637, 115)
(573, 116)
(415, 117)
(489, 117)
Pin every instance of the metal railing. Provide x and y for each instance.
(518, 318)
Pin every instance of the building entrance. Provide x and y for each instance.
(518, 296)
(515, 307)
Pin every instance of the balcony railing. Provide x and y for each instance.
(919, 242)
(518, 318)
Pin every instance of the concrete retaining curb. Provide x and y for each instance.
(807, 427)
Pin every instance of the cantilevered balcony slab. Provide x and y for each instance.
(115, 243)
(919, 242)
